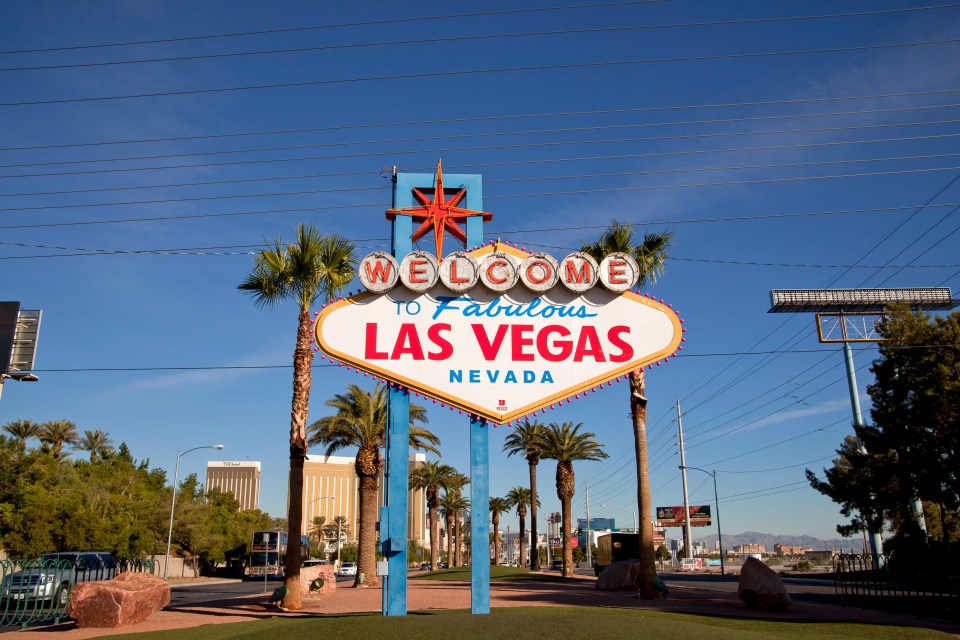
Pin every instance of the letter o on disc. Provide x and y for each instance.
(419, 271)
(379, 272)
(498, 272)
(578, 272)
(459, 271)
(539, 272)
(619, 272)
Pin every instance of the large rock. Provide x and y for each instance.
(624, 574)
(127, 599)
(761, 588)
(309, 574)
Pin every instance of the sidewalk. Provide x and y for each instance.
(426, 594)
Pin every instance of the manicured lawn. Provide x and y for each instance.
(536, 623)
(497, 574)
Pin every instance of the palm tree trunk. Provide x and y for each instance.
(450, 520)
(496, 540)
(434, 539)
(459, 550)
(367, 550)
(638, 412)
(302, 361)
(523, 540)
(534, 547)
(565, 539)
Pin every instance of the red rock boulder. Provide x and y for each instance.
(127, 599)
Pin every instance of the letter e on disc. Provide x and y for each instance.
(419, 271)
(619, 272)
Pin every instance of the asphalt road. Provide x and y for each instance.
(801, 590)
(222, 589)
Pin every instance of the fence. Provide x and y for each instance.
(926, 586)
(33, 591)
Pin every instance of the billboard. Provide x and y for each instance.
(9, 311)
(673, 516)
(498, 332)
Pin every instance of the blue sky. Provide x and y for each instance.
(562, 149)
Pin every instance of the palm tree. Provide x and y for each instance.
(519, 497)
(318, 531)
(98, 443)
(452, 505)
(456, 483)
(497, 506)
(57, 433)
(315, 265)
(527, 440)
(337, 529)
(21, 431)
(361, 421)
(651, 256)
(565, 444)
(432, 477)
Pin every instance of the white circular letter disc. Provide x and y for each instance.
(419, 271)
(578, 272)
(498, 273)
(619, 272)
(459, 271)
(539, 272)
(378, 272)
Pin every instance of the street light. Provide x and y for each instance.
(716, 501)
(173, 501)
(338, 524)
(636, 527)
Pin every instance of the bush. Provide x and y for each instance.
(773, 561)
(804, 565)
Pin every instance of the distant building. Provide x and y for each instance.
(241, 478)
(750, 548)
(331, 489)
(787, 550)
(596, 524)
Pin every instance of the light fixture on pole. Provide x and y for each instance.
(636, 527)
(716, 501)
(173, 500)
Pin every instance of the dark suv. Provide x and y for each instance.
(54, 574)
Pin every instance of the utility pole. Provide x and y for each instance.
(687, 542)
(588, 524)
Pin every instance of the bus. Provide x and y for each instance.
(268, 552)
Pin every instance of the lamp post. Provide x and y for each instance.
(716, 501)
(173, 500)
(636, 527)
(338, 524)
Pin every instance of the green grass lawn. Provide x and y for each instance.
(497, 574)
(536, 623)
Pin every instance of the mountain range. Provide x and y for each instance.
(770, 539)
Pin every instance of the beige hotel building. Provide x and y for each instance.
(331, 489)
(242, 479)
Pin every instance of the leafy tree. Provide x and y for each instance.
(318, 531)
(451, 505)
(361, 421)
(579, 555)
(519, 497)
(527, 440)
(456, 483)
(498, 506)
(565, 444)
(21, 431)
(431, 477)
(312, 267)
(57, 433)
(97, 443)
(651, 256)
(662, 554)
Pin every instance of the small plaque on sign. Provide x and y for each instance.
(383, 568)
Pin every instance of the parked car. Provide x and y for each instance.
(347, 569)
(556, 565)
(424, 566)
(54, 574)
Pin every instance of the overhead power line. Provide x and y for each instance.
(485, 71)
(474, 38)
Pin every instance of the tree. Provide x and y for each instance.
(452, 505)
(431, 477)
(57, 433)
(527, 440)
(519, 497)
(651, 256)
(456, 483)
(497, 507)
(361, 421)
(22, 430)
(662, 554)
(97, 442)
(318, 531)
(565, 444)
(315, 265)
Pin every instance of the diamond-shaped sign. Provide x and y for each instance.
(498, 355)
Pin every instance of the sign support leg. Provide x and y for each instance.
(479, 527)
(398, 452)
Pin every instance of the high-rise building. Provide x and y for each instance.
(241, 478)
(331, 489)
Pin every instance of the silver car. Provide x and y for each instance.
(52, 576)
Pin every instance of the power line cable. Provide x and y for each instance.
(483, 71)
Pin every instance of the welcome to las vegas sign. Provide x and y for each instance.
(498, 332)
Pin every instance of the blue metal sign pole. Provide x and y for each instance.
(393, 521)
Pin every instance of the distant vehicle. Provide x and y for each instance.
(268, 552)
(347, 569)
(314, 563)
(614, 547)
(443, 565)
(424, 566)
(52, 577)
(556, 565)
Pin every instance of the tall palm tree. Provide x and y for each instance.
(361, 421)
(497, 506)
(57, 433)
(651, 256)
(318, 531)
(565, 444)
(527, 439)
(337, 529)
(21, 431)
(456, 483)
(432, 477)
(97, 442)
(519, 497)
(452, 505)
(314, 266)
